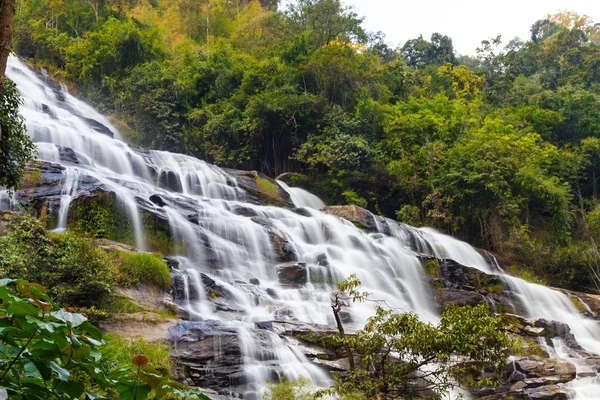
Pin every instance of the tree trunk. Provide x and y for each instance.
(7, 14)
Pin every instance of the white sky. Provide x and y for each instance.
(467, 22)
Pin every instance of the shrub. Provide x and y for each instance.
(75, 270)
(139, 268)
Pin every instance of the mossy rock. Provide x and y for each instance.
(101, 216)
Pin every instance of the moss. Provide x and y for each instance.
(494, 288)
(267, 187)
(121, 304)
(31, 178)
(320, 278)
(102, 217)
(439, 284)
(578, 304)
(525, 275)
(327, 341)
(125, 305)
(432, 267)
(157, 235)
(136, 268)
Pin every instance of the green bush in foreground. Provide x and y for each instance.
(139, 268)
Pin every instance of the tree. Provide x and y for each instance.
(7, 14)
(420, 53)
(16, 148)
(400, 356)
(324, 21)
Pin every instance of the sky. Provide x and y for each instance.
(467, 22)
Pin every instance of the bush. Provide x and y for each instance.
(75, 270)
(136, 268)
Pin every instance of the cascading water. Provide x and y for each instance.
(224, 242)
(301, 197)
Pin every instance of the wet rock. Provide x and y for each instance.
(156, 199)
(285, 251)
(172, 262)
(213, 289)
(255, 281)
(98, 127)
(360, 217)
(302, 211)
(292, 274)
(558, 329)
(261, 189)
(208, 353)
(322, 260)
(169, 180)
(244, 211)
(461, 285)
(193, 218)
(67, 154)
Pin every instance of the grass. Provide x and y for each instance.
(267, 187)
(525, 275)
(118, 351)
(136, 268)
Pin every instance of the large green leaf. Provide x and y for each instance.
(72, 388)
(21, 309)
(31, 370)
(63, 374)
(133, 390)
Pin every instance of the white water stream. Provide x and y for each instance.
(233, 249)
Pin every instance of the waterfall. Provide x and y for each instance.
(301, 197)
(224, 243)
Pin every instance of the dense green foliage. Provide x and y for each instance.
(399, 356)
(16, 148)
(76, 272)
(136, 268)
(52, 353)
(501, 149)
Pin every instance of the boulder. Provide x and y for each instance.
(292, 274)
(67, 154)
(98, 126)
(146, 325)
(261, 189)
(360, 217)
(169, 180)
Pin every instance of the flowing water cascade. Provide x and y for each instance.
(301, 197)
(224, 244)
